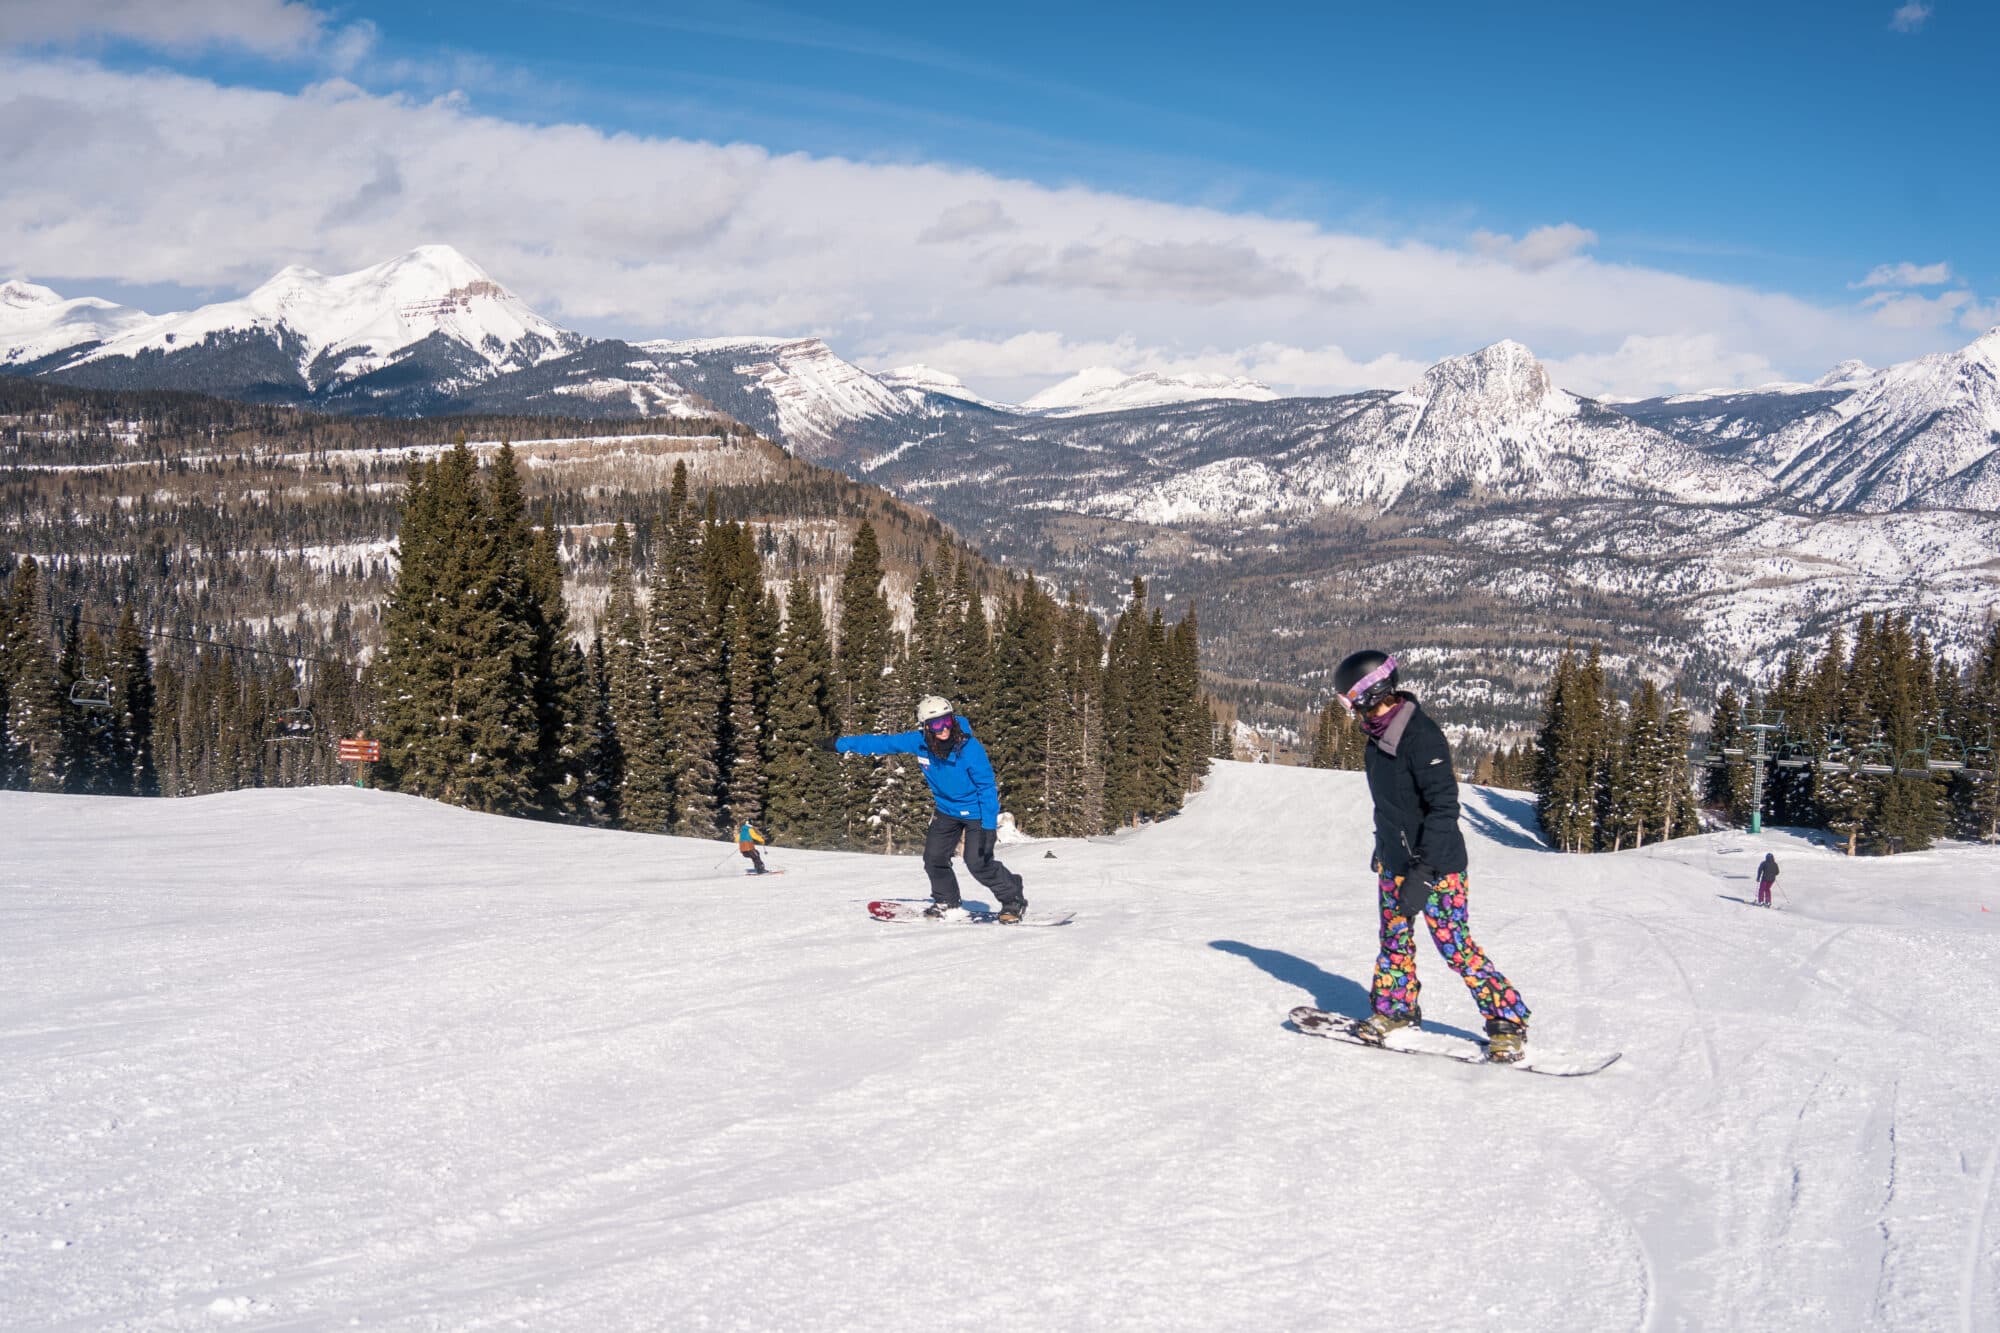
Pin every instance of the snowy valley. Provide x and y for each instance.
(328, 1057)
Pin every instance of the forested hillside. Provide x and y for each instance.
(205, 596)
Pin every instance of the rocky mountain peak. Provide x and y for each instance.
(1502, 381)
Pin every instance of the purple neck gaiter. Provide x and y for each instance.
(1379, 726)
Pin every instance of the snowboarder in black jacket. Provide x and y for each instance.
(1420, 860)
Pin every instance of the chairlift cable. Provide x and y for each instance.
(61, 620)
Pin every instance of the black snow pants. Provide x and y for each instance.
(938, 843)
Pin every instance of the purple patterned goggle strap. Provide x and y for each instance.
(1370, 681)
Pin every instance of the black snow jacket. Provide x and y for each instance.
(1416, 799)
(1768, 871)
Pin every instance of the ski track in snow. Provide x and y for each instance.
(331, 1058)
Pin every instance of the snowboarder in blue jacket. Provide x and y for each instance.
(967, 802)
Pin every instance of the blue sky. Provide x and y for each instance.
(1746, 190)
(1794, 145)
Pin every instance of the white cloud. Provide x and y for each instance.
(1539, 248)
(268, 27)
(1015, 367)
(1910, 17)
(1649, 365)
(1200, 272)
(153, 177)
(1907, 310)
(1906, 274)
(1980, 318)
(971, 220)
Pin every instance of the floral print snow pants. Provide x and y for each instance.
(1395, 988)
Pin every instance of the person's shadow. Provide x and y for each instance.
(1509, 821)
(1329, 990)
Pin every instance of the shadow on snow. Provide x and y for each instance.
(1507, 820)
(1329, 990)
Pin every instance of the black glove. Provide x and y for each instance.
(1418, 881)
(826, 743)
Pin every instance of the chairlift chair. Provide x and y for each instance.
(292, 724)
(1944, 754)
(1875, 758)
(92, 694)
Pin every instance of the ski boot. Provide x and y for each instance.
(1375, 1028)
(1506, 1040)
(1011, 916)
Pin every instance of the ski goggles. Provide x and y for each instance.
(1371, 688)
(939, 726)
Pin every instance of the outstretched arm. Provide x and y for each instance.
(901, 742)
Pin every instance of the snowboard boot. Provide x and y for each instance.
(944, 912)
(1011, 916)
(1376, 1028)
(1506, 1040)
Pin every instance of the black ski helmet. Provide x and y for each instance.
(1365, 679)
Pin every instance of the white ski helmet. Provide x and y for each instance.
(934, 706)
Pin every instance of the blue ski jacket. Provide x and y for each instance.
(962, 782)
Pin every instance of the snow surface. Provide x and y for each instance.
(921, 379)
(329, 1058)
(1108, 389)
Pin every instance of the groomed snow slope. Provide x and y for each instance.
(314, 1059)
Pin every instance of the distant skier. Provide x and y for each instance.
(1419, 859)
(1767, 875)
(966, 798)
(747, 838)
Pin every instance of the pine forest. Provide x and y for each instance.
(531, 630)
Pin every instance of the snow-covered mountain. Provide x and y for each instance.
(922, 381)
(323, 1058)
(792, 389)
(1489, 424)
(38, 328)
(1920, 432)
(1106, 389)
(412, 333)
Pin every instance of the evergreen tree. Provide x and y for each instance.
(606, 759)
(1077, 748)
(687, 663)
(1979, 731)
(1573, 754)
(1019, 736)
(1678, 814)
(1636, 797)
(929, 668)
(636, 762)
(743, 763)
(803, 787)
(565, 697)
(35, 700)
(1728, 783)
(131, 674)
(863, 656)
(902, 796)
(457, 662)
(971, 645)
(1846, 795)
(1338, 740)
